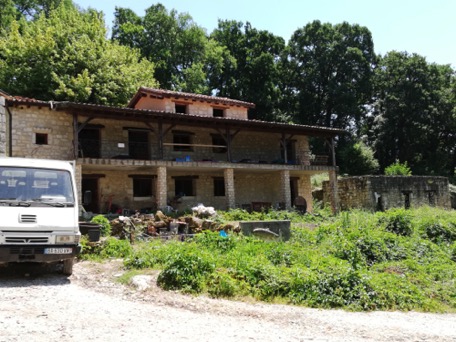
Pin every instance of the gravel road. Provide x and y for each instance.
(42, 305)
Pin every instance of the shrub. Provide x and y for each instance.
(398, 169)
(115, 248)
(221, 284)
(186, 272)
(397, 221)
(105, 226)
(330, 288)
(440, 232)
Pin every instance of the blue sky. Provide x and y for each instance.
(425, 27)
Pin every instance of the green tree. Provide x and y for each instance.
(179, 48)
(7, 13)
(356, 158)
(253, 73)
(66, 56)
(413, 118)
(329, 74)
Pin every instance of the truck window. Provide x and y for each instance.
(28, 184)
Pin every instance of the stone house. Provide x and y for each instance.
(378, 193)
(170, 148)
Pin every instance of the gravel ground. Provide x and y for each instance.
(42, 305)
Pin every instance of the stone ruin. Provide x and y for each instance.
(378, 193)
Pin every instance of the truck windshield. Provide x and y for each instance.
(35, 184)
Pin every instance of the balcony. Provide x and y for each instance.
(198, 155)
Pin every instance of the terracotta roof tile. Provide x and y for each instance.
(161, 93)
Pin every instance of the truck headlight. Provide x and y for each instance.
(65, 239)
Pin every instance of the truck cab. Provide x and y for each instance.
(39, 212)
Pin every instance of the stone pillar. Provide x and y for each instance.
(162, 191)
(3, 128)
(333, 192)
(229, 188)
(285, 191)
(78, 180)
(305, 190)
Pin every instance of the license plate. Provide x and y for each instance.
(58, 250)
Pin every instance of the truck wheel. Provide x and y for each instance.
(68, 267)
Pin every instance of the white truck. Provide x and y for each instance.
(39, 216)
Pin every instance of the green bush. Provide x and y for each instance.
(397, 221)
(440, 232)
(221, 284)
(115, 248)
(105, 226)
(398, 169)
(186, 272)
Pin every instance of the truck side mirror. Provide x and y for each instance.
(87, 197)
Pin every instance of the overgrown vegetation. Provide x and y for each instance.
(396, 260)
(398, 169)
(105, 226)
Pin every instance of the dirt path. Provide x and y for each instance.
(89, 306)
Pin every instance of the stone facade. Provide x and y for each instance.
(385, 192)
(29, 121)
(256, 173)
(3, 128)
(193, 107)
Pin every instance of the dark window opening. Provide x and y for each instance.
(184, 186)
(180, 108)
(218, 140)
(380, 206)
(182, 142)
(89, 143)
(431, 197)
(41, 138)
(219, 186)
(142, 187)
(218, 113)
(291, 152)
(407, 197)
(293, 190)
(138, 144)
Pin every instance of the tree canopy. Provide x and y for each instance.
(396, 107)
(330, 71)
(66, 56)
(413, 120)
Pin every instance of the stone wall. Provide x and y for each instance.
(3, 128)
(194, 107)
(250, 184)
(385, 192)
(117, 186)
(28, 121)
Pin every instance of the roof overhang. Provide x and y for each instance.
(150, 116)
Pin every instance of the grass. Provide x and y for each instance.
(397, 260)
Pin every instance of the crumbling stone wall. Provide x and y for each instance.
(385, 192)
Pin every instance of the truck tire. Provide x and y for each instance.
(68, 267)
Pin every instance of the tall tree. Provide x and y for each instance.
(7, 13)
(66, 56)
(329, 72)
(252, 74)
(413, 121)
(179, 48)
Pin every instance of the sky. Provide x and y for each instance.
(425, 27)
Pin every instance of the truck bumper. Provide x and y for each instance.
(36, 253)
